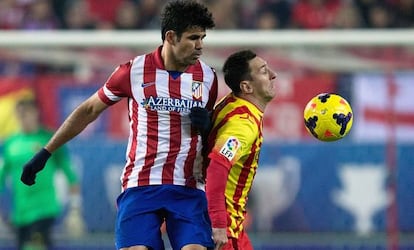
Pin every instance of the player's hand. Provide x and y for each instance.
(220, 238)
(200, 119)
(36, 164)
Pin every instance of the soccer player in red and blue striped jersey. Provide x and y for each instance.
(234, 146)
(163, 178)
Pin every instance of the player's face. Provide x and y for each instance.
(263, 79)
(28, 117)
(188, 48)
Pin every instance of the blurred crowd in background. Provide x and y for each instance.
(229, 14)
(144, 15)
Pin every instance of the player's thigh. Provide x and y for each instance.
(138, 220)
(187, 221)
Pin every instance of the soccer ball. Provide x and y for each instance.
(328, 117)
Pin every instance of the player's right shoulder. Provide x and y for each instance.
(123, 69)
(126, 65)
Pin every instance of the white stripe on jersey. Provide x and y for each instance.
(111, 96)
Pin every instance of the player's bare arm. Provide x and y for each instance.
(77, 121)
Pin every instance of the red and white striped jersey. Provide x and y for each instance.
(163, 148)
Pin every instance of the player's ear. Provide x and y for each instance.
(170, 37)
(246, 87)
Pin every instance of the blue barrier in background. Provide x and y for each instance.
(319, 178)
(319, 168)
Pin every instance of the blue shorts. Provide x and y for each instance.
(142, 210)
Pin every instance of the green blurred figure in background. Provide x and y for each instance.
(34, 210)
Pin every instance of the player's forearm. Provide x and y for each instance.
(76, 122)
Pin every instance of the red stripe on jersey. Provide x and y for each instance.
(174, 86)
(239, 110)
(152, 121)
(133, 149)
(121, 75)
(197, 71)
(244, 174)
(228, 99)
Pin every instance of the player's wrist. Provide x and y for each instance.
(218, 219)
(44, 153)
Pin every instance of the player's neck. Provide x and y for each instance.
(261, 105)
(169, 61)
(30, 128)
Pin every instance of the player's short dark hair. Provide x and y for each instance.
(236, 69)
(180, 15)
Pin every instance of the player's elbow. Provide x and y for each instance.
(92, 108)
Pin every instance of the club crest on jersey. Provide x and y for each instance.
(197, 89)
(230, 148)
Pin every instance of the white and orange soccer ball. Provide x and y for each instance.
(328, 117)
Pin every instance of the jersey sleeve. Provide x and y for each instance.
(117, 86)
(233, 140)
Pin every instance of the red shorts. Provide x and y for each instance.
(241, 243)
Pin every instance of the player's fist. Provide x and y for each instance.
(36, 164)
(200, 119)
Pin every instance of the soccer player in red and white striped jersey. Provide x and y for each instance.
(162, 147)
(163, 178)
(234, 146)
